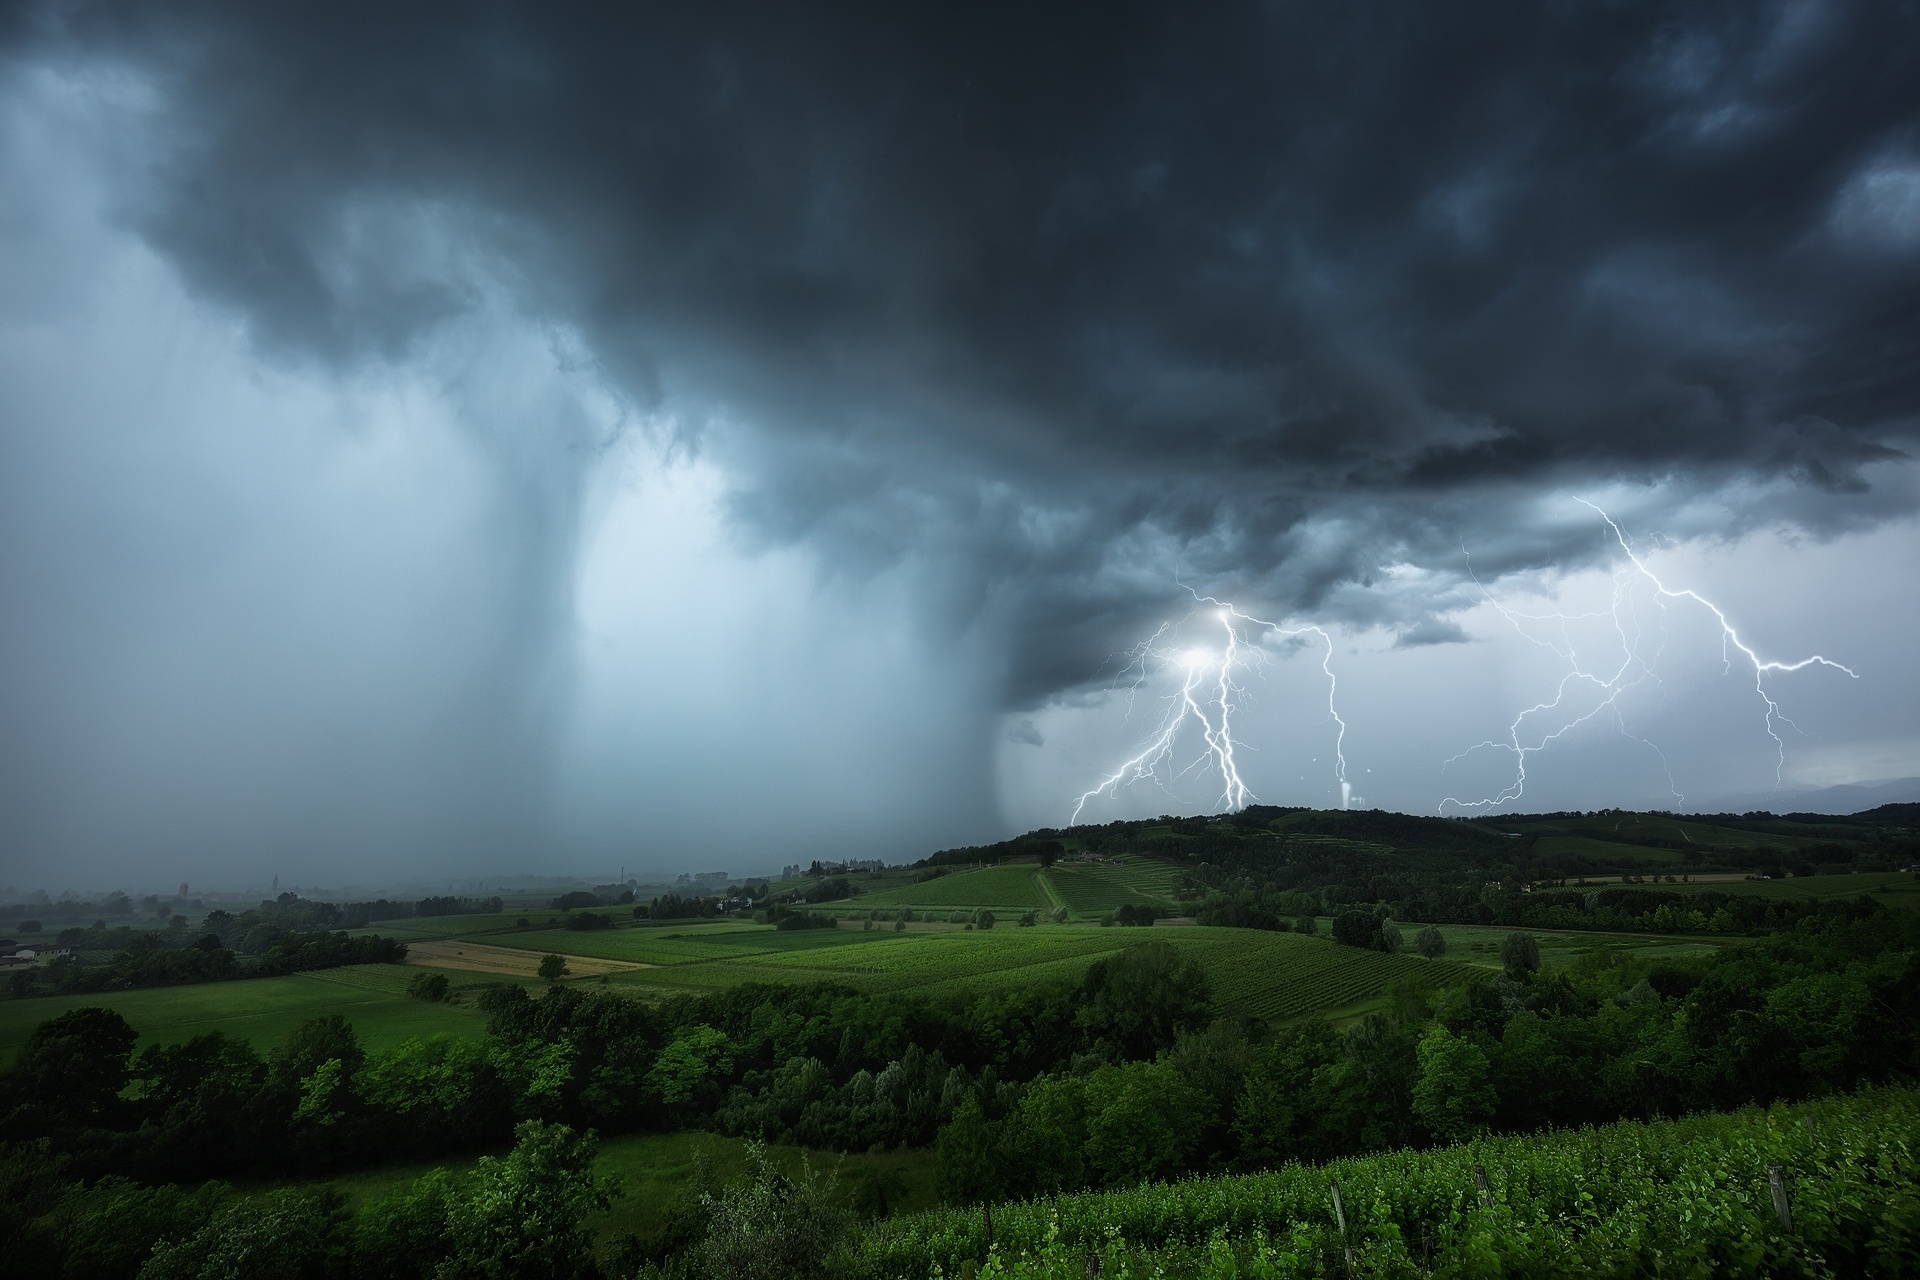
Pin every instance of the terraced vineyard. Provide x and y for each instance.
(1013, 887)
(1288, 975)
(1095, 888)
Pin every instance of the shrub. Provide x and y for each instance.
(431, 987)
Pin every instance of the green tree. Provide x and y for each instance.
(288, 1235)
(314, 1043)
(75, 1065)
(690, 1067)
(1520, 955)
(1430, 942)
(1047, 1137)
(875, 1190)
(431, 987)
(971, 1165)
(1453, 1095)
(772, 1226)
(1143, 1122)
(1142, 999)
(524, 1217)
(405, 1234)
(554, 967)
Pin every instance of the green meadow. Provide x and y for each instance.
(263, 1010)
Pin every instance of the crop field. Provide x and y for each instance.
(1480, 945)
(1895, 888)
(1595, 1201)
(1271, 975)
(1095, 888)
(451, 926)
(1601, 850)
(262, 1010)
(1012, 887)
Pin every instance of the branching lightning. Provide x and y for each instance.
(1532, 731)
(1208, 695)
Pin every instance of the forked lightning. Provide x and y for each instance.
(1540, 728)
(1209, 693)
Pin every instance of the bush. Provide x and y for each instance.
(1430, 942)
(554, 967)
(589, 920)
(1059, 915)
(431, 987)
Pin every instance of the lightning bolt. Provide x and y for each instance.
(1633, 670)
(1209, 694)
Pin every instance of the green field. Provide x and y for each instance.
(1604, 851)
(1705, 835)
(1273, 975)
(1480, 945)
(1014, 887)
(1895, 888)
(1094, 888)
(263, 1010)
(1086, 889)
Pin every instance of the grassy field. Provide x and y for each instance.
(652, 1169)
(263, 1010)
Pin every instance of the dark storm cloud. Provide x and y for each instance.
(1060, 300)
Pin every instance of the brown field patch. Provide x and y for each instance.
(508, 961)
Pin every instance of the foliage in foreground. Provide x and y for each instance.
(1685, 1197)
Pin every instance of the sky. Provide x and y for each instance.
(441, 444)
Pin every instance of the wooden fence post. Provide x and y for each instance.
(986, 1211)
(1777, 1183)
(1340, 1216)
(1093, 1265)
(1480, 1181)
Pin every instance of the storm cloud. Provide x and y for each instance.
(1051, 312)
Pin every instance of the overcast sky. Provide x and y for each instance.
(444, 443)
